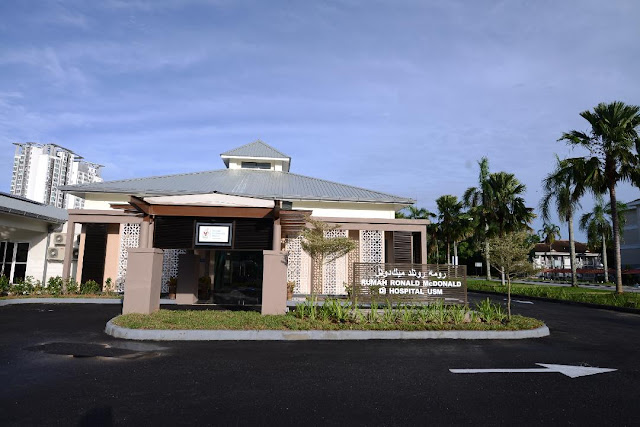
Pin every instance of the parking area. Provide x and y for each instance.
(59, 368)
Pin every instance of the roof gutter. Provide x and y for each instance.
(19, 212)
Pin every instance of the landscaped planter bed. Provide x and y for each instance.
(336, 316)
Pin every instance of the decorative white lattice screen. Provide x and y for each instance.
(170, 266)
(371, 246)
(298, 266)
(335, 272)
(129, 238)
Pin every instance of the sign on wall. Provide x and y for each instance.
(409, 283)
(213, 234)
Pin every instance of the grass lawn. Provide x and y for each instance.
(246, 320)
(566, 293)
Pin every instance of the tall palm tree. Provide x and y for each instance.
(449, 209)
(462, 228)
(597, 226)
(413, 212)
(565, 185)
(476, 199)
(508, 211)
(549, 232)
(614, 156)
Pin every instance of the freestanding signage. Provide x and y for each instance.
(409, 283)
(213, 234)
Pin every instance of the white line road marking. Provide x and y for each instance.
(568, 370)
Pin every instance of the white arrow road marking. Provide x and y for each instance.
(568, 370)
(520, 301)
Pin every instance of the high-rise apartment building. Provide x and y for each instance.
(40, 169)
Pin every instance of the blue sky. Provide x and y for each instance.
(397, 96)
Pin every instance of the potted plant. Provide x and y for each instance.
(172, 284)
(290, 287)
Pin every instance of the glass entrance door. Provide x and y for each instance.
(238, 277)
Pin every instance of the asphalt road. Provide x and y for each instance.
(116, 382)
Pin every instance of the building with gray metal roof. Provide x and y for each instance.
(242, 180)
(21, 206)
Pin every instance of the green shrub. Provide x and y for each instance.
(4, 285)
(490, 312)
(72, 286)
(54, 285)
(27, 286)
(90, 287)
(457, 313)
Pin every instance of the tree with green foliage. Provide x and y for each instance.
(449, 209)
(412, 212)
(549, 233)
(508, 212)
(597, 225)
(323, 249)
(614, 156)
(476, 199)
(510, 256)
(565, 186)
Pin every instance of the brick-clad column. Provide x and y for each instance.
(274, 283)
(143, 281)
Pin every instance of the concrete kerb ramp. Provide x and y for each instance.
(287, 335)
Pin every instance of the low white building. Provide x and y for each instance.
(554, 260)
(32, 237)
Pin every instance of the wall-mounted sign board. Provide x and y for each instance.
(409, 283)
(213, 234)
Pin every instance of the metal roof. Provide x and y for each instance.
(257, 183)
(256, 149)
(17, 205)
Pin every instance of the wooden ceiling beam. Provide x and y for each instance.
(209, 211)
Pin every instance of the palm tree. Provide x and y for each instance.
(548, 234)
(413, 212)
(476, 199)
(507, 210)
(450, 209)
(421, 213)
(565, 185)
(614, 147)
(596, 225)
(462, 228)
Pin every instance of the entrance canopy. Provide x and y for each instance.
(214, 199)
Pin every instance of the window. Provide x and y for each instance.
(256, 165)
(13, 260)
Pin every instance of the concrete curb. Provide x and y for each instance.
(72, 301)
(276, 335)
(60, 301)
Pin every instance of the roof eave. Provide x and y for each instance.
(19, 212)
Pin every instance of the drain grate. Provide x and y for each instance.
(87, 350)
